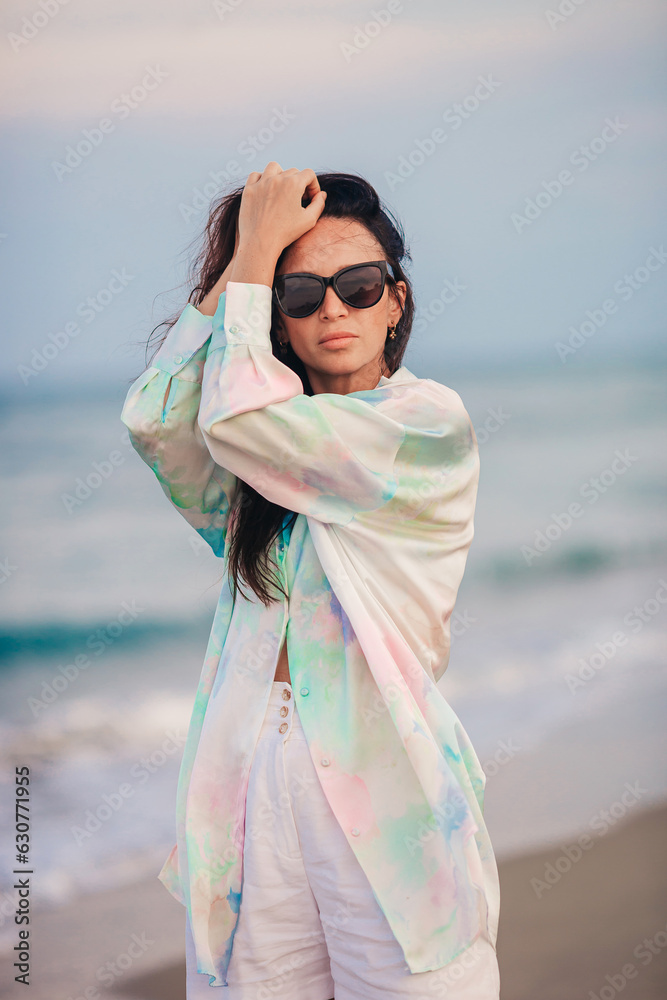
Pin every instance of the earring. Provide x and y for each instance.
(283, 346)
(392, 332)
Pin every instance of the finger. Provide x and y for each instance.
(316, 207)
(312, 184)
(272, 168)
(253, 177)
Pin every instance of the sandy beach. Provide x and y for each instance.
(597, 931)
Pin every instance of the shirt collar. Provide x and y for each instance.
(400, 376)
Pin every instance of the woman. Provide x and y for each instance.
(329, 818)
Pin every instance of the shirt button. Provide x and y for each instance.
(325, 762)
(284, 710)
(304, 692)
(354, 831)
(177, 359)
(233, 329)
(282, 727)
(287, 694)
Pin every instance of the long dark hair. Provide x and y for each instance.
(257, 521)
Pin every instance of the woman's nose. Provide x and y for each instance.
(331, 305)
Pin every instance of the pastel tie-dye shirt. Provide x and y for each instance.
(384, 482)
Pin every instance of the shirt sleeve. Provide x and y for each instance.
(329, 456)
(160, 412)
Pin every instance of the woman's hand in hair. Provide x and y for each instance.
(272, 216)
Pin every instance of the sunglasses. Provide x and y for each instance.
(360, 286)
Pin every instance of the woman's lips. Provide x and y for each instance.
(338, 340)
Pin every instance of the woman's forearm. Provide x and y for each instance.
(255, 263)
(252, 263)
(209, 303)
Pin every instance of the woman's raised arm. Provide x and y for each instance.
(160, 412)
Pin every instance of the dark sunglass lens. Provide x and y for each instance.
(362, 286)
(298, 295)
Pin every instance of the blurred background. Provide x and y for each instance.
(521, 146)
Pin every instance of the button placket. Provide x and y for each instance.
(285, 712)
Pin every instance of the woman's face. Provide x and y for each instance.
(326, 248)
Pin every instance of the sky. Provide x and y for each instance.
(520, 144)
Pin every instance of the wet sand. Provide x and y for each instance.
(578, 937)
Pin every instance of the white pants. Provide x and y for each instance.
(309, 926)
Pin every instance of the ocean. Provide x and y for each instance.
(108, 598)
